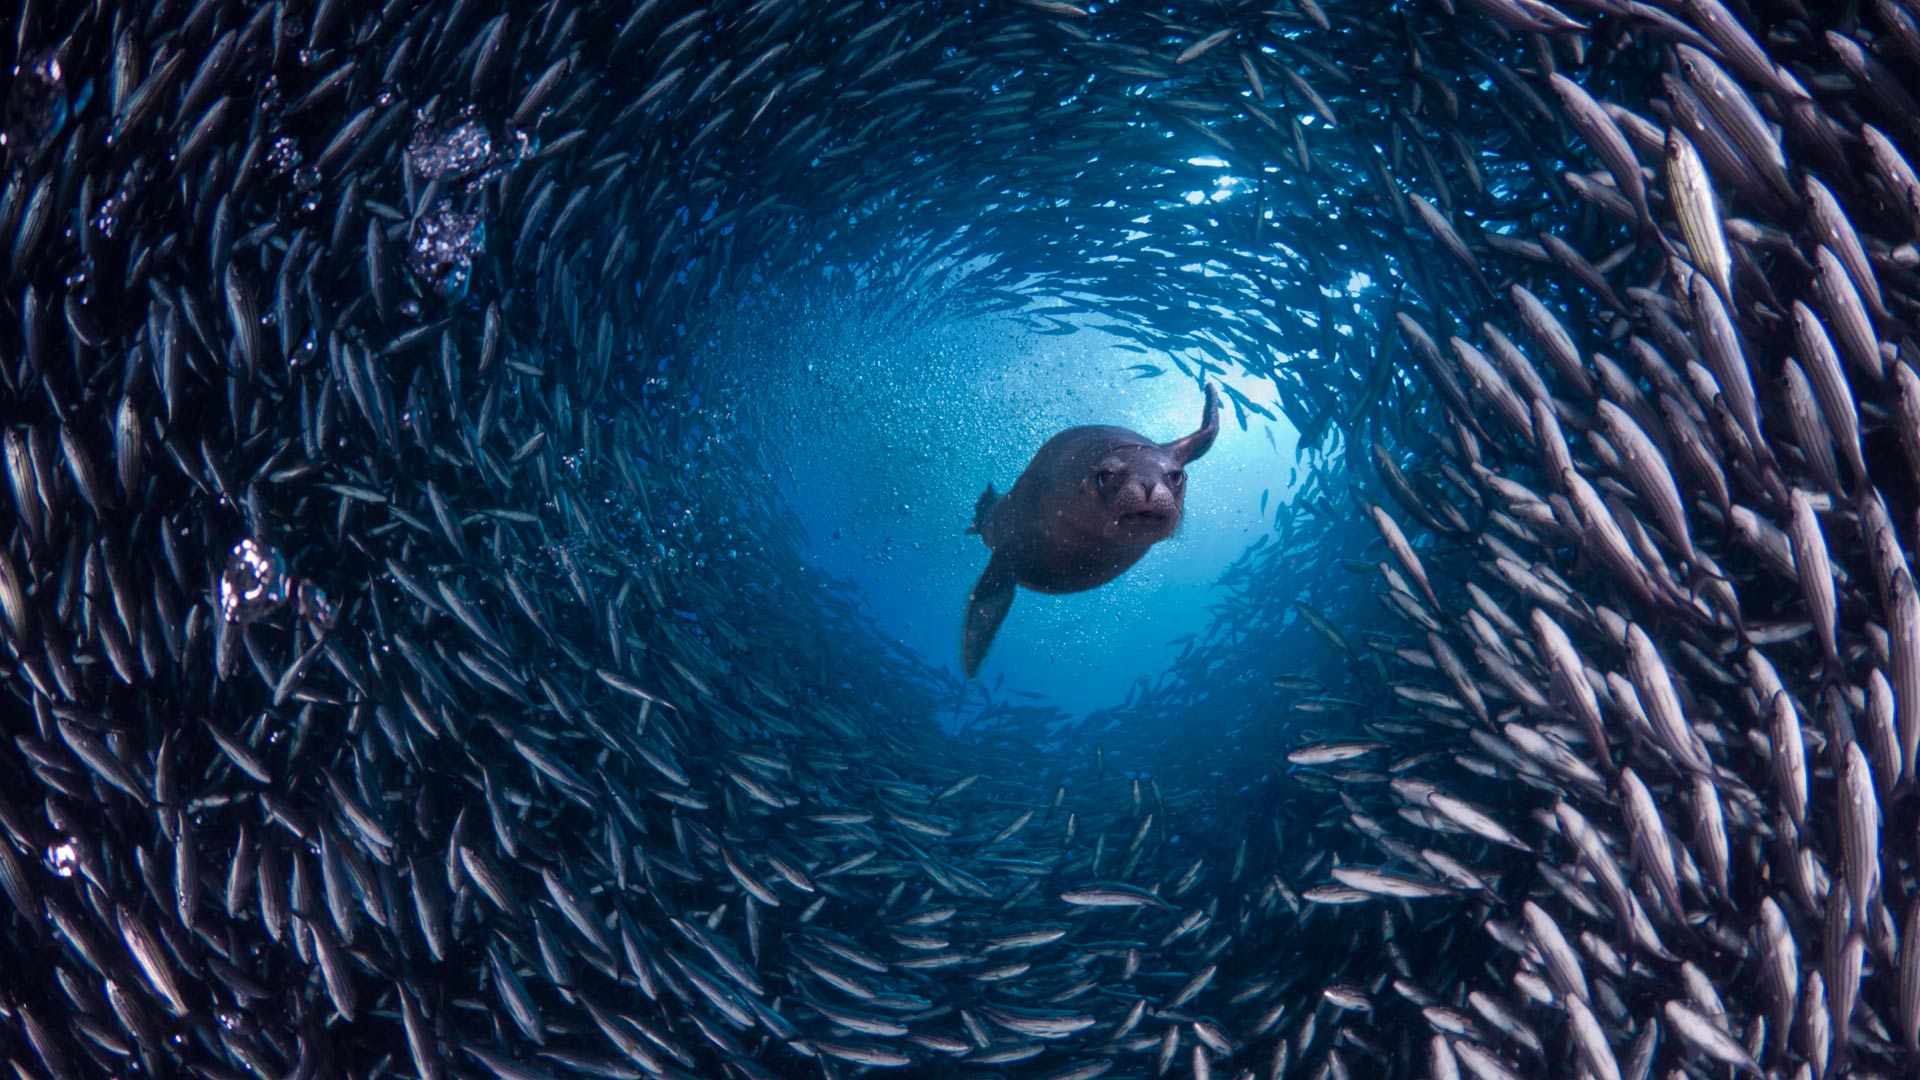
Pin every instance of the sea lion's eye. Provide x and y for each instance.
(1103, 477)
(1176, 478)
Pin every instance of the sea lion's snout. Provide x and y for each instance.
(1151, 497)
(1142, 493)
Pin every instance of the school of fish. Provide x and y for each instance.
(405, 672)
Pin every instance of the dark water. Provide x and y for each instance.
(484, 560)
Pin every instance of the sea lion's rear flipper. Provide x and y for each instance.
(1189, 449)
(981, 507)
(986, 609)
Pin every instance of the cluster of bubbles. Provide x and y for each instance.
(445, 239)
(285, 158)
(39, 99)
(441, 248)
(256, 584)
(451, 150)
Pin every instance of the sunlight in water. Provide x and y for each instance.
(983, 397)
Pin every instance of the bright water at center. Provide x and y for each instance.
(893, 435)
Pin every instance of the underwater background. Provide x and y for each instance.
(484, 552)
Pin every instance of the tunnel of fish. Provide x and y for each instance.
(370, 710)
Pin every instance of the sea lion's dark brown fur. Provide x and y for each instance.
(1090, 503)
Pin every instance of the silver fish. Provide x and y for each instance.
(1690, 193)
(1707, 1037)
(1789, 758)
(1553, 339)
(1815, 568)
(1841, 302)
(1606, 139)
(1860, 833)
(1647, 470)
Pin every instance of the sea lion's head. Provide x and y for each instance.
(1140, 491)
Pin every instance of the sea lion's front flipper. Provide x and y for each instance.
(1189, 449)
(986, 609)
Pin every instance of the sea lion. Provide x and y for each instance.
(1090, 503)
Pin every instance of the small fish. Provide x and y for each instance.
(1113, 895)
(1385, 884)
(1707, 1037)
(1331, 753)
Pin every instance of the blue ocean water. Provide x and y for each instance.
(891, 436)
